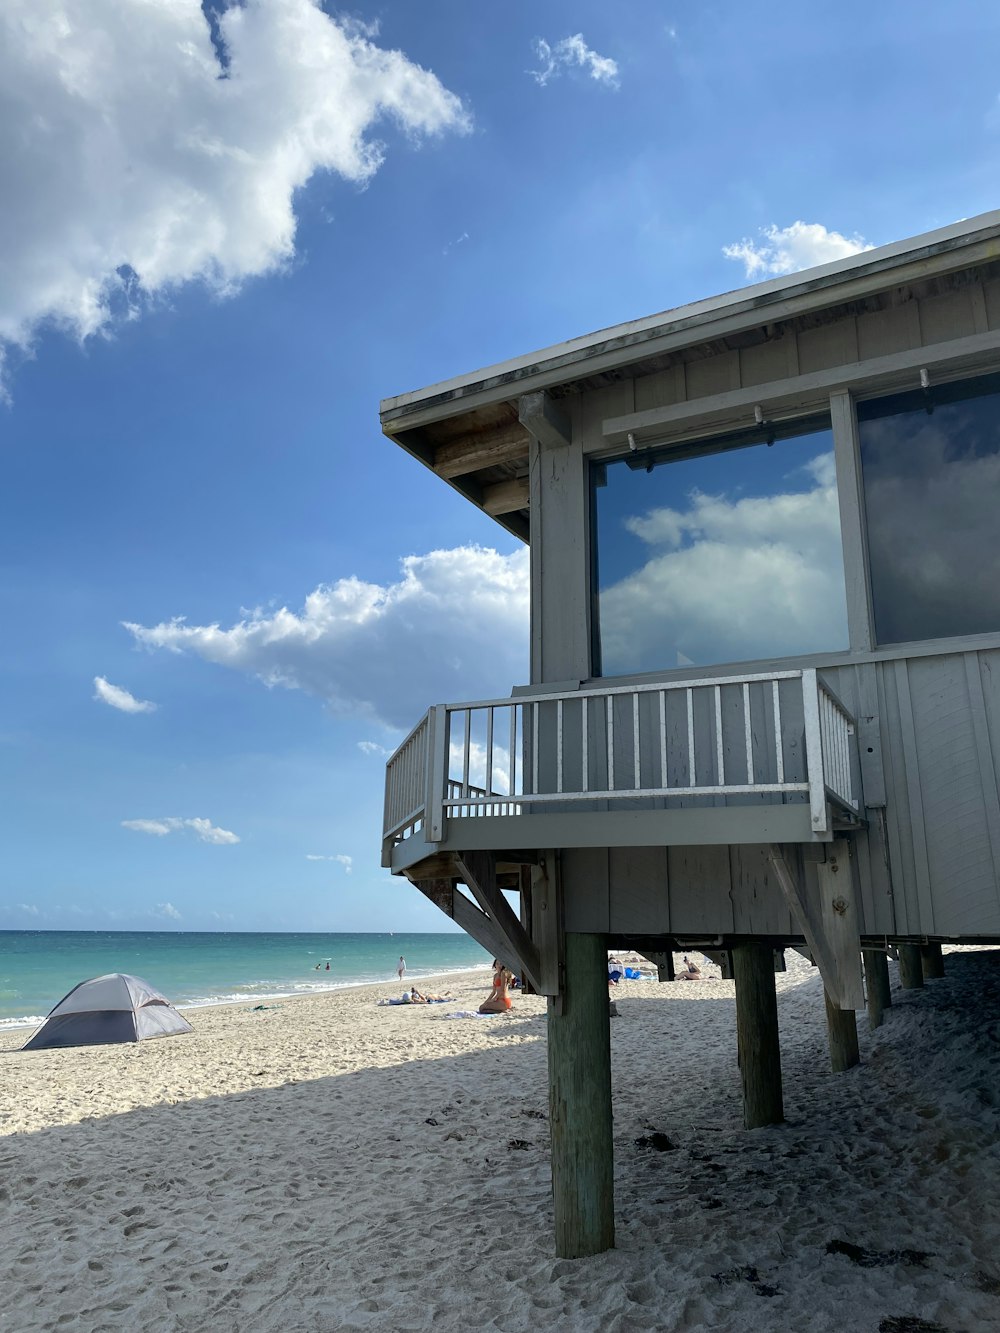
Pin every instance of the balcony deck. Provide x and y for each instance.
(760, 758)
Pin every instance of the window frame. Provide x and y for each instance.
(861, 615)
(838, 414)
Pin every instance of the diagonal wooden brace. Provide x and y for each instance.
(444, 894)
(479, 871)
(829, 923)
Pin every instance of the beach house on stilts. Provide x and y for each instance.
(764, 697)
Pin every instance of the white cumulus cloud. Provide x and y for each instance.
(119, 698)
(731, 578)
(132, 160)
(203, 829)
(165, 912)
(569, 53)
(341, 858)
(789, 249)
(373, 747)
(454, 626)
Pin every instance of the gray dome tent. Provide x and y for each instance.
(108, 1009)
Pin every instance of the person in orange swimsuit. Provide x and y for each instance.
(499, 1001)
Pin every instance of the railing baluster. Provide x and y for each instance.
(559, 745)
(635, 741)
(692, 771)
(663, 738)
(610, 705)
(489, 752)
(585, 786)
(749, 732)
(466, 753)
(779, 749)
(720, 757)
(534, 747)
(814, 750)
(512, 761)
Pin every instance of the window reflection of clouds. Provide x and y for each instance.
(932, 484)
(723, 558)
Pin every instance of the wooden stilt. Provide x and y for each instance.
(877, 978)
(842, 1027)
(757, 1035)
(931, 961)
(911, 973)
(580, 1103)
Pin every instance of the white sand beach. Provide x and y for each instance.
(329, 1164)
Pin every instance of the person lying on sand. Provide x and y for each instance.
(413, 996)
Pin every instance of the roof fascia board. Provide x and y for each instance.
(967, 243)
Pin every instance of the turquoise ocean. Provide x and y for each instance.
(38, 967)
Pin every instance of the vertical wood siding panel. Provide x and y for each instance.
(991, 291)
(948, 316)
(716, 374)
(759, 906)
(829, 345)
(876, 889)
(763, 362)
(956, 833)
(641, 899)
(897, 808)
(911, 775)
(977, 668)
(699, 883)
(586, 889)
(562, 582)
(886, 331)
(660, 390)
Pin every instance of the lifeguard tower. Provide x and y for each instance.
(764, 700)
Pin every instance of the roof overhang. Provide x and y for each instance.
(468, 430)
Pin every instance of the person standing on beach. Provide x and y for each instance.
(401, 970)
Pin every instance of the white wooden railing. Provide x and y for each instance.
(774, 736)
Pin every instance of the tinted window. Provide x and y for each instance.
(931, 468)
(724, 555)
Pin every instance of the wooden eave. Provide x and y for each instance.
(467, 431)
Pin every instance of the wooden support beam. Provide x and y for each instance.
(828, 920)
(911, 972)
(879, 991)
(478, 871)
(505, 497)
(540, 416)
(758, 1050)
(439, 866)
(664, 965)
(582, 1153)
(547, 925)
(931, 961)
(842, 1028)
(443, 894)
(509, 445)
(723, 960)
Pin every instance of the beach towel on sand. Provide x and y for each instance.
(467, 1013)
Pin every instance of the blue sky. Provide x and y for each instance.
(206, 286)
